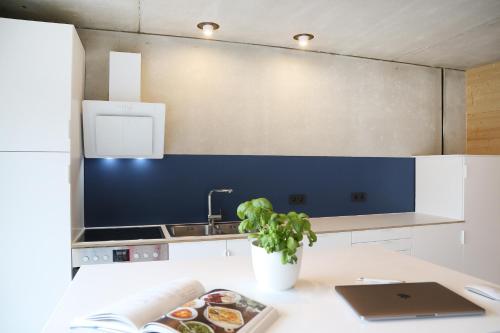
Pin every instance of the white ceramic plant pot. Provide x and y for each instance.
(271, 273)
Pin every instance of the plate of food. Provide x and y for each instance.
(195, 303)
(221, 297)
(194, 327)
(183, 313)
(224, 317)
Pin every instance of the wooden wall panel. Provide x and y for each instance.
(483, 109)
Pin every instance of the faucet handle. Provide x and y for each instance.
(215, 216)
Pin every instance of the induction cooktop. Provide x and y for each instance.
(121, 234)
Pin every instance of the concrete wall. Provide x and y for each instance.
(483, 110)
(454, 112)
(225, 98)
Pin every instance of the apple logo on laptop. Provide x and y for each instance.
(404, 296)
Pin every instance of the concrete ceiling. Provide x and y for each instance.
(445, 33)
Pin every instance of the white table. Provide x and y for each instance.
(313, 306)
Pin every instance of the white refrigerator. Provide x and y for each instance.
(41, 167)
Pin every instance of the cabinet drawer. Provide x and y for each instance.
(333, 241)
(238, 247)
(407, 252)
(404, 244)
(380, 234)
(197, 250)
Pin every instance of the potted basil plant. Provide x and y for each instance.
(277, 242)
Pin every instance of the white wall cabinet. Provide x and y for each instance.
(35, 89)
(42, 69)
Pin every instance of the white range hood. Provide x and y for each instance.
(123, 127)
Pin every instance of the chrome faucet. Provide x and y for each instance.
(213, 217)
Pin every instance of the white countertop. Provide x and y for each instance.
(312, 306)
(319, 225)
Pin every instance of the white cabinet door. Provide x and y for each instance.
(398, 245)
(196, 250)
(440, 244)
(35, 228)
(35, 85)
(439, 185)
(238, 247)
(380, 235)
(328, 242)
(482, 217)
(393, 239)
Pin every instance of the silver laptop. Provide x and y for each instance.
(406, 300)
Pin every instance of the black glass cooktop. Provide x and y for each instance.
(119, 234)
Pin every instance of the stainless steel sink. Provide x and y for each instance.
(228, 228)
(202, 229)
(183, 230)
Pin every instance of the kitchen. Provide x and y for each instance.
(382, 129)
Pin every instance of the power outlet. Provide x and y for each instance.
(297, 199)
(359, 196)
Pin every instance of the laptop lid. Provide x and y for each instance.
(406, 300)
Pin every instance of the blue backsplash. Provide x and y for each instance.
(174, 189)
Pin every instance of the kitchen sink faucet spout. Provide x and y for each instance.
(215, 217)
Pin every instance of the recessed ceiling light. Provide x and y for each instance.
(207, 28)
(303, 39)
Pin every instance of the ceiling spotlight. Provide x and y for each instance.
(303, 39)
(207, 28)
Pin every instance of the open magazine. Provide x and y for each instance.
(180, 306)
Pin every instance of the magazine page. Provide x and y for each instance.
(132, 312)
(218, 311)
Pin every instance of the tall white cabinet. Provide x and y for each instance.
(41, 167)
(468, 187)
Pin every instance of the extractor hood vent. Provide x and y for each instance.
(123, 127)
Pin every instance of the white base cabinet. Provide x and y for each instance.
(393, 239)
(328, 242)
(440, 244)
(238, 247)
(36, 268)
(241, 247)
(209, 249)
(196, 250)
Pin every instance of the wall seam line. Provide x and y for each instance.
(270, 46)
